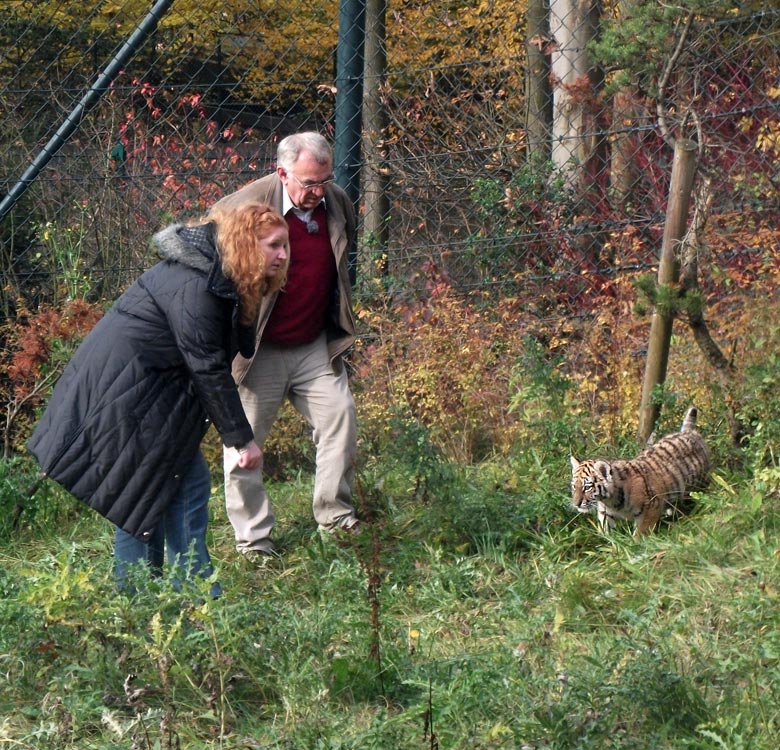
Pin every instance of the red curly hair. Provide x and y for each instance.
(239, 232)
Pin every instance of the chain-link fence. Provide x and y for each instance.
(519, 148)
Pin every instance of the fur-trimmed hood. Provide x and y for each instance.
(195, 247)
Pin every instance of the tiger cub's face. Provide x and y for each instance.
(591, 483)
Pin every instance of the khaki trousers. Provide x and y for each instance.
(319, 390)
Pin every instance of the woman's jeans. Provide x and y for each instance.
(182, 530)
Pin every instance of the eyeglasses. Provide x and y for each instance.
(312, 185)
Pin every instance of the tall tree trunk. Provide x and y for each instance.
(538, 121)
(623, 172)
(573, 24)
(579, 146)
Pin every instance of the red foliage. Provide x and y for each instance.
(184, 155)
(32, 339)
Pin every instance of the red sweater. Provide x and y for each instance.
(301, 309)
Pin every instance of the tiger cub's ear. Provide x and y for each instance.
(574, 463)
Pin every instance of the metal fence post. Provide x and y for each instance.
(349, 94)
(349, 98)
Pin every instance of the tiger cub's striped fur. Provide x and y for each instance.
(642, 489)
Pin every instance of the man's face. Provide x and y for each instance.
(306, 181)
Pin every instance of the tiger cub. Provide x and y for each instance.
(641, 489)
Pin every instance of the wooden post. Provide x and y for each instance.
(683, 172)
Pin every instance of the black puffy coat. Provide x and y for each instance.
(133, 404)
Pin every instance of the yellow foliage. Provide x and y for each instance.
(445, 363)
(768, 138)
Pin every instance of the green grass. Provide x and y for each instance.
(478, 612)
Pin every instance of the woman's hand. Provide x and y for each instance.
(250, 456)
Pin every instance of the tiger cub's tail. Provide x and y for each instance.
(689, 422)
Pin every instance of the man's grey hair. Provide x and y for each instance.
(290, 148)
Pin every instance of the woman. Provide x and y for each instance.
(122, 430)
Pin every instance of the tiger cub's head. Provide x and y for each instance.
(591, 482)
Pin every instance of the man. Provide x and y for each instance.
(302, 333)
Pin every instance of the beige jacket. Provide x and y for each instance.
(342, 223)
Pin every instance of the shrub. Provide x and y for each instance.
(37, 347)
(444, 363)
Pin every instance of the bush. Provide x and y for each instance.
(37, 346)
(443, 363)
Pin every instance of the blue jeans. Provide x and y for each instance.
(182, 530)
